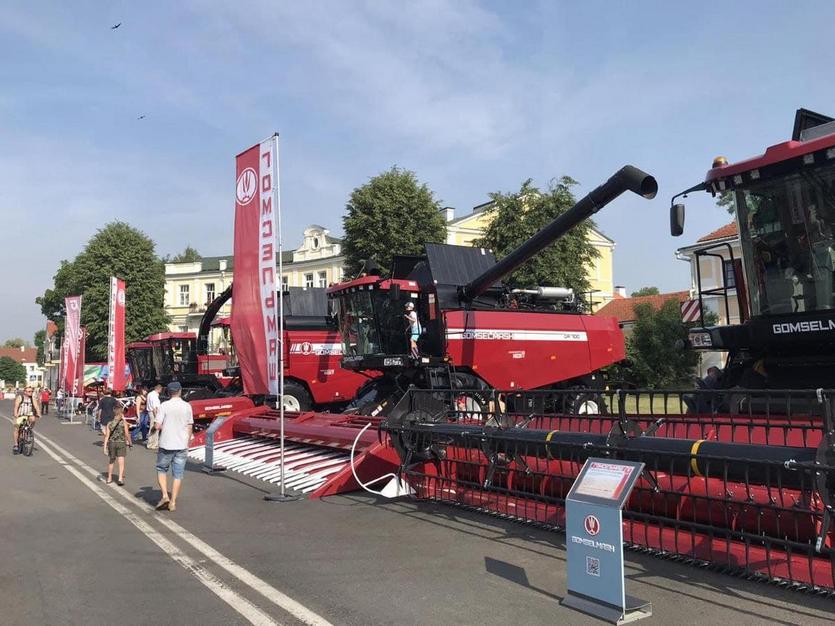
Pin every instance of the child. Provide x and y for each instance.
(116, 442)
(414, 329)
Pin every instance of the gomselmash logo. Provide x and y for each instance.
(811, 326)
(247, 186)
(592, 525)
(593, 543)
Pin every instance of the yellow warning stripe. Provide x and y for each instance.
(547, 441)
(693, 452)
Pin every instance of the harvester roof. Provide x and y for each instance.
(812, 133)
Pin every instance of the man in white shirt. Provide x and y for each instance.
(153, 402)
(174, 421)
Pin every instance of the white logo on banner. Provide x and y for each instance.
(247, 186)
(121, 297)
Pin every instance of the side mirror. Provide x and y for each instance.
(394, 292)
(676, 220)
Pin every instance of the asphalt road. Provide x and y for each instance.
(77, 551)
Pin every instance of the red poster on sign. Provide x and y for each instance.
(72, 341)
(116, 336)
(254, 301)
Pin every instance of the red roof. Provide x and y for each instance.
(728, 230)
(27, 355)
(624, 309)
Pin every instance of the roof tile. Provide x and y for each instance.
(624, 309)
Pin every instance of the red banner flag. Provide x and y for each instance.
(78, 388)
(62, 363)
(72, 340)
(254, 306)
(116, 336)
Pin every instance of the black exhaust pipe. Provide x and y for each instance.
(628, 178)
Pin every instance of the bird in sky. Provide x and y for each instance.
(115, 27)
(141, 117)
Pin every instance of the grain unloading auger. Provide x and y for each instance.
(718, 496)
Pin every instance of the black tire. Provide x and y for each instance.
(27, 443)
(296, 397)
(587, 403)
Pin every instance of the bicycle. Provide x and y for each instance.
(26, 438)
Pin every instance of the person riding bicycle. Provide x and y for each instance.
(26, 408)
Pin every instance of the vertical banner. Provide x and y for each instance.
(72, 339)
(78, 383)
(62, 364)
(116, 336)
(254, 307)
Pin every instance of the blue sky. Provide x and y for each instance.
(474, 97)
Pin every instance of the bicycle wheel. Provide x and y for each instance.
(27, 441)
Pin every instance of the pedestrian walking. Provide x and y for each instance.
(45, 395)
(116, 443)
(59, 400)
(106, 409)
(144, 424)
(175, 421)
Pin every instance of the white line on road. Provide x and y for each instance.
(280, 599)
(248, 611)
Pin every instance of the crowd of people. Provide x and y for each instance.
(163, 426)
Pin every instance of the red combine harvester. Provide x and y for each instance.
(746, 485)
(784, 284)
(478, 335)
(312, 352)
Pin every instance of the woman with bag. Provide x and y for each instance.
(116, 442)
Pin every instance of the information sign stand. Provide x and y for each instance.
(594, 536)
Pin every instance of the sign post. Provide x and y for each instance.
(594, 536)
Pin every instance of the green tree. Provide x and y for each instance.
(656, 359)
(518, 216)
(119, 250)
(189, 255)
(11, 371)
(40, 343)
(646, 291)
(393, 213)
(726, 201)
(17, 342)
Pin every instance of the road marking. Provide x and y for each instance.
(248, 611)
(280, 599)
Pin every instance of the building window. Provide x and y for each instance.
(730, 277)
(184, 299)
(210, 292)
(285, 283)
(323, 279)
(315, 243)
(308, 281)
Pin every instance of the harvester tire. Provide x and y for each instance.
(587, 403)
(296, 397)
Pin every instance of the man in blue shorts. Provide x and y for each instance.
(175, 421)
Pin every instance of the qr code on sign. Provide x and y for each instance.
(592, 566)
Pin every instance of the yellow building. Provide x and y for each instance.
(462, 231)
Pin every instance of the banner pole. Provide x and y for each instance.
(282, 495)
(280, 363)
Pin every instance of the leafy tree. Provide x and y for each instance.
(726, 201)
(393, 213)
(518, 216)
(189, 255)
(17, 342)
(11, 371)
(646, 291)
(40, 343)
(120, 250)
(656, 359)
